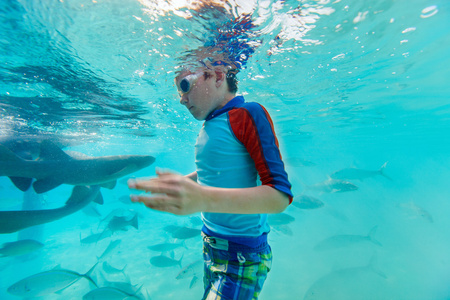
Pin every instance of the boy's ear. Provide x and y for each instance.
(220, 77)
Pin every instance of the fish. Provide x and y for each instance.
(280, 219)
(163, 261)
(12, 221)
(95, 237)
(333, 186)
(165, 247)
(414, 211)
(346, 240)
(307, 202)
(123, 286)
(47, 282)
(121, 223)
(283, 229)
(109, 250)
(109, 293)
(112, 270)
(20, 247)
(194, 270)
(54, 167)
(359, 174)
(362, 282)
(180, 232)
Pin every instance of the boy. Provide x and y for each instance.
(236, 143)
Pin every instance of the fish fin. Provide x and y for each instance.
(49, 151)
(371, 236)
(22, 183)
(181, 258)
(44, 185)
(88, 275)
(373, 266)
(381, 170)
(134, 222)
(99, 198)
(193, 281)
(109, 185)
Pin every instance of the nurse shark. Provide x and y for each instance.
(12, 221)
(54, 167)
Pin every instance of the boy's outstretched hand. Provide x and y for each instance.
(171, 192)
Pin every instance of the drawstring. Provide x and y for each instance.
(241, 257)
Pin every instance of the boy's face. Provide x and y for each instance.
(203, 95)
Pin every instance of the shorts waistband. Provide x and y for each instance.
(226, 245)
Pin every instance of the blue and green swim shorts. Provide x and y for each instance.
(234, 275)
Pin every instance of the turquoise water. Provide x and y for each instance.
(349, 84)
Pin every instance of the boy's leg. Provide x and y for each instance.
(234, 276)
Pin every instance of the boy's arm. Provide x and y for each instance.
(178, 195)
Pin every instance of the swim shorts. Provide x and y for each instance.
(231, 275)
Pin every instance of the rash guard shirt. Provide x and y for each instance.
(236, 144)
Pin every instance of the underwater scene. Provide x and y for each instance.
(359, 95)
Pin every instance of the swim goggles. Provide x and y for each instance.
(187, 82)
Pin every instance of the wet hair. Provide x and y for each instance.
(231, 80)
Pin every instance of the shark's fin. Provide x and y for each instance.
(99, 198)
(45, 185)
(125, 170)
(109, 185)
(49, 151)
(22, 183)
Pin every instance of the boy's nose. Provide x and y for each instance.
(184, 99)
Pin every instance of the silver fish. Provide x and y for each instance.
(20, 247)
(416, 211)
(194, 270)
(280, 219)
(307, 202)
(333, 186)
(359, 174)
(109, 293)
(346, 240)
(121, 223)
(179, 232)
(48, 282)
(162, 261)
(109, 250)
(165, 247)
(95, 237)
(112, 270)
(349, 283)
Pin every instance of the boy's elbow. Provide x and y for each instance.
(282, 203)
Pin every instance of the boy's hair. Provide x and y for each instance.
(232, 81)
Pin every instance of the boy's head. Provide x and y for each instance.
(205, 87)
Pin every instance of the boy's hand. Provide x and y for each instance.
(172, 193)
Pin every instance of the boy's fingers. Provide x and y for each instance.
(155, 186)
(161, 203)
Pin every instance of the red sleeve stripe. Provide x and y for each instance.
(262, 145)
